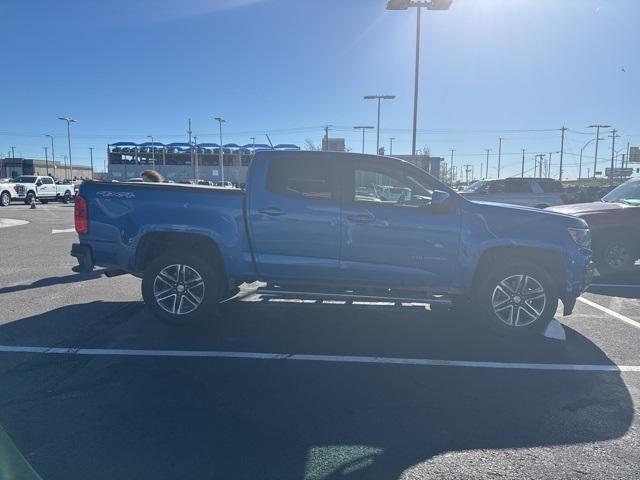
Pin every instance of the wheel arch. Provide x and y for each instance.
(550, 261)
(154, 244)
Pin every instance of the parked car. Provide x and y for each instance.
(529, 192)
(42, 188)
(615, 225)
(224, 184)
(205, 182)
(300, 224)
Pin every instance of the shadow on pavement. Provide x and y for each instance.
(50, 281)
(119, 417)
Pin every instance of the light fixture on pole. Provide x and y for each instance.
(363, 128)
(429, 5)
(379, 98)
(153, 152)
(595, 158)
(221, 120)
(69, 120)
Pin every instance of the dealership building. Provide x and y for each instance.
(13, 167)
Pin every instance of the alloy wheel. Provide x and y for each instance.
(178, 289)
(518, 300)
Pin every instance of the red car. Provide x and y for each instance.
(615, 226)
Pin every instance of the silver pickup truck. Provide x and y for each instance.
(528, 192)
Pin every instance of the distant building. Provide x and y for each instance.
(634, 155)
(333, 144)
(13, 167)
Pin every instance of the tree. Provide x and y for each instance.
(309, 145)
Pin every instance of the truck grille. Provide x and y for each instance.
(20, 189)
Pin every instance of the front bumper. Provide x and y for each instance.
(579, 275)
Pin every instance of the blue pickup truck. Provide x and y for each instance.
(325, 225)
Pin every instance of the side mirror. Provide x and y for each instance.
(440, 198)
(38, 183)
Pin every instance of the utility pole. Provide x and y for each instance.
(489, 150)
(595, 159)
(499, 157)
(481, 169)
(195, 156)
(53, 154)
(391, 139)
(522, 173)
(326, 137)
(220, 121)
(46, 160)
(253, 143)
(91, 156)
(13, 151)
(614, 135)
(363, 128)
(563, 129)
(548, 168)
(451, 167)
(467, 168)
(623, 166)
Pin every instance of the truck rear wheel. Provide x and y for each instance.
(66, 198)
(181, 289)
(614, 254)
(518, 299)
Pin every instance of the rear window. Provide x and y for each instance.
(297, 177)
(551, 186)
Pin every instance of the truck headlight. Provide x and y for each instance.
(581, 236)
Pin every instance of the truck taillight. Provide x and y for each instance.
(81, 215)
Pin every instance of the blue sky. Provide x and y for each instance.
(519, 69)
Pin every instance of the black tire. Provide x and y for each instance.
(44, 201)
(614, 254)
(66, 198)
(30, 196)
(5, 199)
(209, 295)
(505, 283)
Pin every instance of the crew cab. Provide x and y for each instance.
(615, 225)
(303, 227)
(42, 188)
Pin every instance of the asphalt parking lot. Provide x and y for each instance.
(91, 386)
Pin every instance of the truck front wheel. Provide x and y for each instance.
(5, 199)
(517, 299)
(182, 289)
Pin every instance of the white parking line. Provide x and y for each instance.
(64, 230)
(301, 357)
(613, 285)
(617, 315)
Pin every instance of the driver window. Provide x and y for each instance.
(401, 189)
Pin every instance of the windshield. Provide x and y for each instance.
(628, 193)
(25, 179)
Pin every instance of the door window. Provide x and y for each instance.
(47, 181)
(399, 189)
(305, 178)
(518, 186)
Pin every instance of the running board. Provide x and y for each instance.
(348, 296)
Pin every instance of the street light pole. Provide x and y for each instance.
(69, 120)
(46, 160)
(91, 156)
(499, 157)
(379, 98)
(429, 5)
(580, 162)
(488, 150)
(451, 167)
(391, 139)
(221, 120)
(363, 128)
(595, 159)
(522, 173)
(614, 135)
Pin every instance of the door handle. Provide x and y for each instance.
(272, 211)
(362, 217)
